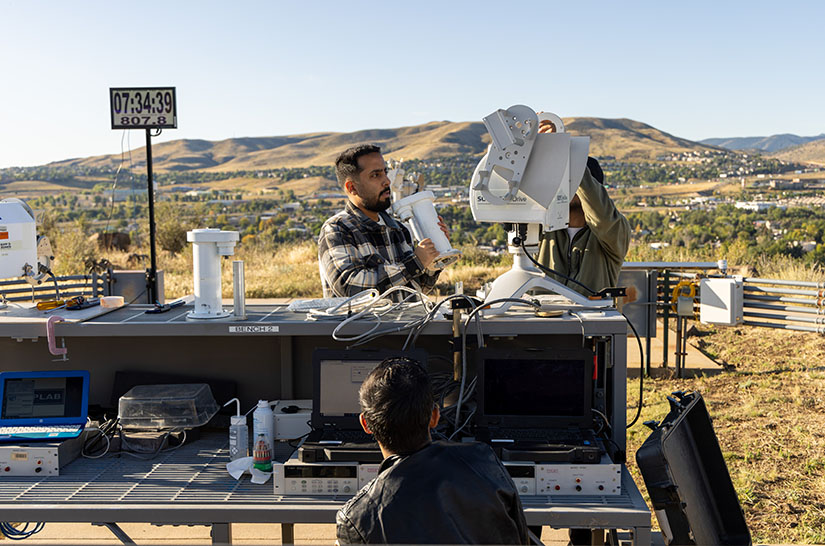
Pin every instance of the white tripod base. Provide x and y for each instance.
(524, 277)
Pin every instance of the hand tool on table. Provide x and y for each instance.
(162, 308)
(51, 305)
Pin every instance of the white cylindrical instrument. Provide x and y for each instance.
(418, 212)
(209, 245)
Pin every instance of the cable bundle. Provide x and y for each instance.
(111, 428)
(13, 533)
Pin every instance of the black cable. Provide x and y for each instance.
(547, 270)
(474, 313)
(106, 429)
(54, 280)
(117, 174)
(413, 337)
(137, 297)
(641, 372)
(13, 533)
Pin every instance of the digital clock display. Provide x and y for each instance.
(143, 107)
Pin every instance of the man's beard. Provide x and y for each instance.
(379, 204)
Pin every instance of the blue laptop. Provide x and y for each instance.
(43, 406)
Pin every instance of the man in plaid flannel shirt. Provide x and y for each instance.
(362, 246)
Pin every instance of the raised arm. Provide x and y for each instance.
(609, 225)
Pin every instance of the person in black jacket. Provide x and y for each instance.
(426, 492)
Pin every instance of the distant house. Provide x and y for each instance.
(122, 195)
(787, 184)
(756, 206)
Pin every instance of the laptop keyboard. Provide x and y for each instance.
(39, 430)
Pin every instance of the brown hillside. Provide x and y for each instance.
(629, 140)
(623, 139)
(812, 152)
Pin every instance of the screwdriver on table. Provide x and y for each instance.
(50, 305)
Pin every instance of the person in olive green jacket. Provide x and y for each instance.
(591, 250)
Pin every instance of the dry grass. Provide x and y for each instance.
(287, 271)
(736, 254)
(676, 190)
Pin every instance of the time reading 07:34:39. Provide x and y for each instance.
(143, 107)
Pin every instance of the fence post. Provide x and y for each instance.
(665, 296)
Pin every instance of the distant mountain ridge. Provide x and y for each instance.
(811, 152)
(769, 144)
(622, 139)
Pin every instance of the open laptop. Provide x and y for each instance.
(43, 406)
(336, 430)
(535, 405)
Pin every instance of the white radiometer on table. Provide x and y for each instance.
(143, 107)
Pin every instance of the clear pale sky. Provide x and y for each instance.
(693, 69)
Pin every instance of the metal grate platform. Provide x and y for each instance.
(194, 474)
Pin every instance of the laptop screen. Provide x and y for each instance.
(340, 381)
(31, 398)
(43, 397)
(338, 375)
(535, 388)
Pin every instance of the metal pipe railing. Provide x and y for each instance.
(757, 297)
(770, 294)
(813, 320)
(787, 291)
(789, 308)
(781, 282)
(796, 327)
(806, 299)
(674, 265)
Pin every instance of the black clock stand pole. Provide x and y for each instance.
(151, 273)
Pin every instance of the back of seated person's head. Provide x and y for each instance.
(397, 404)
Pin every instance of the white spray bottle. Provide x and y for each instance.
(263, 424)
(238, 433)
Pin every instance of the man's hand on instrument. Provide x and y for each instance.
(546, 126)
(443, 226)
(426, 252)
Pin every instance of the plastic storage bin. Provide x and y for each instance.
(163, 407)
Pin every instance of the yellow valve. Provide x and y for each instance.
(686, 289)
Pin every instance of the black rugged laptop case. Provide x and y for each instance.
(687, 478)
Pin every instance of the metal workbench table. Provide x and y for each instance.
(269, 355)
(190, 485)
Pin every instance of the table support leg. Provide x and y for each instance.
(287, 533)
(641, 536)
(117, 531)
(596, 537)
(221, 533)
